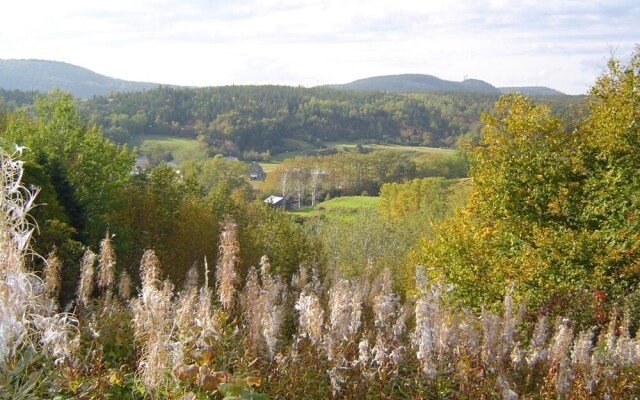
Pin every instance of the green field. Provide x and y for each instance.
(298, 148)
(182, 149)
(268, 166)
(418, 150)
(342, 207)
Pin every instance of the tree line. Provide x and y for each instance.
(307, 180)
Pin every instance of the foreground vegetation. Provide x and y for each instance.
(310, 338)
(518, 282)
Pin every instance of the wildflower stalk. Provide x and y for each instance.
(106, 264)
(87, 272)
(28, 317)
(153, 322)
(52, 276)
(226, 274)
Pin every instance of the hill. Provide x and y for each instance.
(235, 120)
(246, 121)
(43, 76)
(258, 122)
(532, 91)
(417, 83)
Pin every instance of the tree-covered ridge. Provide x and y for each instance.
(234, 120)
(531, 91)
(44, 76)
(417, 83)
(240, 120)
(11, 100)
(420, 83)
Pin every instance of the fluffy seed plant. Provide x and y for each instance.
(263, 309)
(124, 286)
(252, 312)
(226, 275)
(87, 282)
(34, 338)
(110, 334)
(209, 341)
(106, 266)
(390, 324)
(153, 324)
(432, 333)
(340, 339)
(52, 276)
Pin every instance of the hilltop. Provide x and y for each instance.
(420, 83)
(532, 91)
(44, 76)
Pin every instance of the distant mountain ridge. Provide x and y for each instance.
(408, 83)
(532, 91)
(44, 76)
(419, 83)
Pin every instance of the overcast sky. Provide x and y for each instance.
(561, 44)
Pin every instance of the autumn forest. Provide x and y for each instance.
(424, 245)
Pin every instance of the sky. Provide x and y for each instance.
(564, 45)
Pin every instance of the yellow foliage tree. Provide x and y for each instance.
(553, 205)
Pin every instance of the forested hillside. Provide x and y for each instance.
(236, 120)
(247, 121)
(10, 100)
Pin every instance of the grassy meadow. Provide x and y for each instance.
(345, 208)
(414, 150)
(185, 149)
(182, 149)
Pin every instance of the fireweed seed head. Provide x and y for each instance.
(87, 272)
(226, 275)
(106, 264)
(52, 276)
(149, 269)
(124, 286)
(561, 342)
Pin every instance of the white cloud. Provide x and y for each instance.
(562, 44)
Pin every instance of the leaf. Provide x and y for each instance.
(253, 381)
(140, 389)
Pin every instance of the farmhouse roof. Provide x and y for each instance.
(273, 200)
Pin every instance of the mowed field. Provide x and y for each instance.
(342, 207)
(184, 149)
(417, 150)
